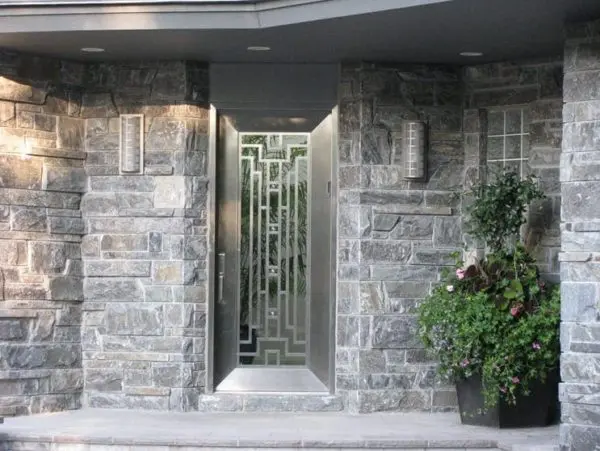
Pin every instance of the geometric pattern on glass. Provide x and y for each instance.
(508, 142)
(273, 274)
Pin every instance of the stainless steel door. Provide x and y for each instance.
(273, 311)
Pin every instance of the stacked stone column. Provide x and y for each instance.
(41, 181)
(146, 248)
(580, 257)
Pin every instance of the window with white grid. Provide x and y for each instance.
(508, 141)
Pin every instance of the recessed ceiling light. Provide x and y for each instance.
(92, 50)
(258, 48)
(471, 54)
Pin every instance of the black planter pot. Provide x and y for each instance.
(539, 409)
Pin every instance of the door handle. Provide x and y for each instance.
(220, 276)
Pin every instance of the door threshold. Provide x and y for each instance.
(272, 380)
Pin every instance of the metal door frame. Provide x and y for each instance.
(212, 212)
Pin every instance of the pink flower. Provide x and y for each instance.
(515, 380)
(514, 311)
(460, 273)
(464, 363)
(536, 346)
(503, 389)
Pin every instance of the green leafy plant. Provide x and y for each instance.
(496, 317)
(498, 212)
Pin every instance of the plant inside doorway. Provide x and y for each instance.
(493, 325)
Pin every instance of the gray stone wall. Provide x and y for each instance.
(145, 252)
(580, 256)
(394, 235)
(41, 181)
(536, 86)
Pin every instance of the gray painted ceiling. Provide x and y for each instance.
(501, 29)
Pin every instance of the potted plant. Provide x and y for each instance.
(493, 324)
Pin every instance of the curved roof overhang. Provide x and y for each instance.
(17, 16)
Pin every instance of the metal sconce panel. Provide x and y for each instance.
(414, 150)
(131, 147)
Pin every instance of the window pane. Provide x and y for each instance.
(496, 123)
(513, 121)
(513, 147)
(495, 148)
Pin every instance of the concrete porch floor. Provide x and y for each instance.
(126, 430)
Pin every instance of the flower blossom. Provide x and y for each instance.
(536, 346)
(514, 311)
(460, 273)
(450, 288)
(515, 380)
(465, 363)
(503, 389)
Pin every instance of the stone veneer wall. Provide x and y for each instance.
(580, 256)
(145, 252)
(536, 86)
(41, 181)
(393, 235)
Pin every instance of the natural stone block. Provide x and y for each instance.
(117, 268)
(166, 134)
(16, 172)
(394, 400)
(390, 332)
(112, 289)
(66, 289)
(195, 247)
(104, 379)
(98, 105)
(70, 133)
(382, 252)
(404, 272)
(413, 227)
(67, 179)
(167, 273)
(581, 86)
(124, 243)
(122, 183)
(7, 112)
(384, 222)
(410, 290)
(169, 192)
(12, 329)
(66, 381)
(134, 319)
(447, 232)
(348, 222)
(12, 252)
(390, 197)
(135, 200)
(74, 226)
(583, 302)
(61, 355)
(348, 331)
(47, 257)
(29, 219)
(579, 200)
(100, 204)
(25, 92)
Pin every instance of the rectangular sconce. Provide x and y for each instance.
(414, 150)
(131, 151)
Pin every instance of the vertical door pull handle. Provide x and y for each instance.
(220, 276)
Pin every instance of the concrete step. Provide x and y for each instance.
(131, 430)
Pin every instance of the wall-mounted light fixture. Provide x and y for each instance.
(131, 154)
(414, 150)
